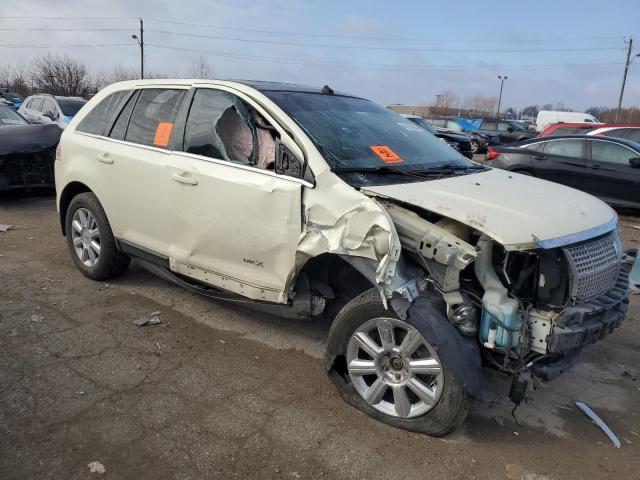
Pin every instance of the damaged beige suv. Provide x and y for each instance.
(329, 205)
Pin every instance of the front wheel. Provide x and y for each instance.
(388, 370)
(475, 146)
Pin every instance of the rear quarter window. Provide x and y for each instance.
(153, 117)
(98, 119)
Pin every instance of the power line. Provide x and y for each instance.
(66, 46)
(363, 47)
(296, 61)
(48, 29)
(321, 35)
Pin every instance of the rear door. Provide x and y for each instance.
(234, 222)
(562, 161)
(609, 174)
(34, 112)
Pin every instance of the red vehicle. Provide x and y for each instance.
(581, 128)
(569, 129)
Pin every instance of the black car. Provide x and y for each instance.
(27, 152)
(479, 140)
(462, 143)
(508, 130)
(606, 167)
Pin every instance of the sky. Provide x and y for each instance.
(392, 52)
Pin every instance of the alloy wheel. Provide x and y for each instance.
(85, 235)
(394, 369)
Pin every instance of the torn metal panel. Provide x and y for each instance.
(342, 221)
(493, 203)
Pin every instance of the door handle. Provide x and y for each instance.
(539, 158)
(595, 167)
(105, 158)
(181, 179)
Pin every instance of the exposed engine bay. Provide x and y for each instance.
(531, 311)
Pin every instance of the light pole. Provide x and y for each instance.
(624, 77)
(502, 79)
(140, 41)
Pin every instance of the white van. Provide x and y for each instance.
(547, 117)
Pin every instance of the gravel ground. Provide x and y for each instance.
(220, 391)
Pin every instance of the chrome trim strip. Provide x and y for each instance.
(201, 158)
(576, 237)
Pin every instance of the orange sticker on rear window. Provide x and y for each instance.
(386, 154)
(163, 134)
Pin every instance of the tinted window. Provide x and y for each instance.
(565, 148)
(571, 130)
(120, 126)
(98, 118)
(424, 124)
(36, 104)
(536, 147)
(634, 135)
(70, 106)
(611, 153)
(153, 116)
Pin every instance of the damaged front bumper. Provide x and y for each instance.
(587, 323)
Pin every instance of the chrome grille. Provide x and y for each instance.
(594, 265)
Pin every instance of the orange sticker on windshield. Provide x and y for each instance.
(386, 154)
(163, 134)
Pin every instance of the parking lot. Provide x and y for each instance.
(220, 391)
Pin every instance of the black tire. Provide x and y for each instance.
(449, 411)
(111, 262)
(475, 146)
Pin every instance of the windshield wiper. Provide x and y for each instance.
(451, 167)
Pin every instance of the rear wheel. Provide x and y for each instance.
(90, 240)
(475, 146)
(391, 372)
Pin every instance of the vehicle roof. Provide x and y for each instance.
(622, 141)
(261, 86)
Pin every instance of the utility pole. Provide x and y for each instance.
(140, 41)
(502, 79)
(624, 78)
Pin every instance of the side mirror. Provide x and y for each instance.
(510, 129)
(634, 162)
(49, 114)
(287, 163)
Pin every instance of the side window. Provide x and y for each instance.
(536, 147)
(222, 126)
(49, 106)
(438, 123)
(36, 104)
(564, 148)
(120, 126)
(153, 116)
(609, 152)
(488, 126)
(453, 126)
(503, 127)
(98, 118)
(634, 135)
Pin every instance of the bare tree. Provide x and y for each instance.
(448, 99)
(480, 105)
(59, 75)
(15, 78)
(201, 69)
(120, 74)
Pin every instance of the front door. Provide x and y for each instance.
(609, 174)
(235, 223)
(561, 161)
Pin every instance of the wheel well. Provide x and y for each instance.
(70, 191)
(330, 276)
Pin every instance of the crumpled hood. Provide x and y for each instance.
(513, 209)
